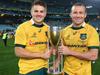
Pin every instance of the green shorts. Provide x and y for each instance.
(42, 71)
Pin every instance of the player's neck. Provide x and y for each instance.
(40, 23)
(37, 23)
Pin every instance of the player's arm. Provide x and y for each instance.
(92, 54)
(23, 53)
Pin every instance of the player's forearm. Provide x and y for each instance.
(91, 55)
(21, 52)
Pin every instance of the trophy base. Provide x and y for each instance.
(56, 73)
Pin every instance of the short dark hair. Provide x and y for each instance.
(39, 2)
(80, 4)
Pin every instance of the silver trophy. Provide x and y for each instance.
(55, 40)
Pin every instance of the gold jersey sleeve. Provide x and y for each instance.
(93, 39)
(20, 36)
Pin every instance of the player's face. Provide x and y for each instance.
(38, 13)
(78, 14)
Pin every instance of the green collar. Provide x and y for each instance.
(76, 28)
(37, 25)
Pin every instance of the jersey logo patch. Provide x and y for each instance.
(83, 36)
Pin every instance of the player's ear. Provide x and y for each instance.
(70, 15)
(85, 15)
(45, 12)
(31, 12)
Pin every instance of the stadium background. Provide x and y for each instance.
(14, 12)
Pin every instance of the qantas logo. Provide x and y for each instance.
(36, 43)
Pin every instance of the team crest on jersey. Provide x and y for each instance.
(83, 36)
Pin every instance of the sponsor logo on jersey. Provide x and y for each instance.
(36, 43)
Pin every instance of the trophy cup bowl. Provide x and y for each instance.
(54, 41)
(54, 36)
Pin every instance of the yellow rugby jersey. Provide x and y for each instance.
(80, 40)
(34, 39)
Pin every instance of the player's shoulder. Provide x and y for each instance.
(45, 24)
(67, 27)
(89, 27)
(24, 24)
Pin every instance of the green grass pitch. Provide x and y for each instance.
(8, 60)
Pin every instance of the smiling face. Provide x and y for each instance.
(38, 13)
(78, 15)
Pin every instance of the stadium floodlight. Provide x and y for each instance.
(89, 7)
